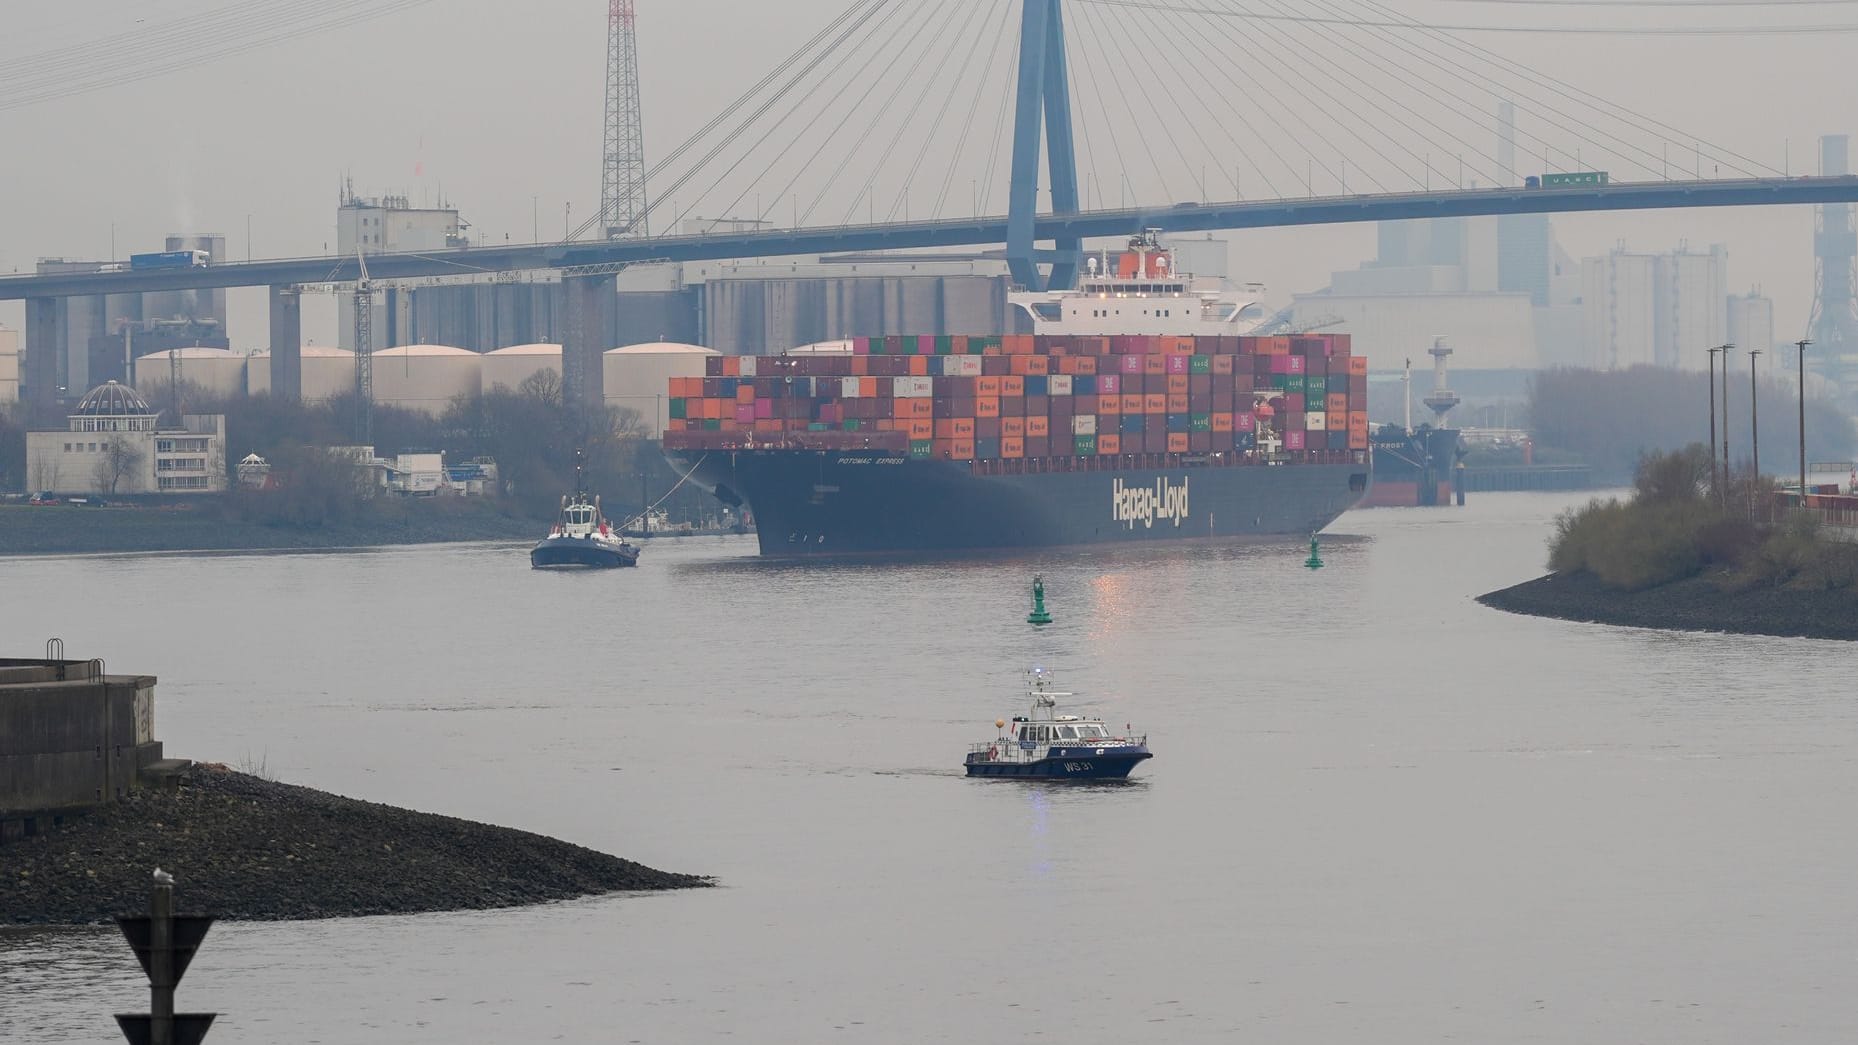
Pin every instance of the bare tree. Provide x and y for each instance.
(44, 470)
(120, 458)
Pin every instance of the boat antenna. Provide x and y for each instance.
(579, 486)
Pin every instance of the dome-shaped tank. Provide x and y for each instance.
(638, 378)
(511, 366)
(425, 377)
(216, 372)
(326, 373)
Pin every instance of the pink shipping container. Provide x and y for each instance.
(1177, 364)
(1244, 423)
(1293, 440)
(1278, 364)
(764, 409)
(745, 412)
(1109, 384)
(861, 346)
(1295, 364)
(1129, 364)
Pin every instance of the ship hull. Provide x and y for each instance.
(1078, 764)
(580, 553)
(810, 503)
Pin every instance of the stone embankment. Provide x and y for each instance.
(63, 530)
(245, 848)
(1694, 604)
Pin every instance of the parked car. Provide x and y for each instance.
(45, 497)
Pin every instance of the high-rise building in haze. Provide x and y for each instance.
(1641, 309)
(1751, 321)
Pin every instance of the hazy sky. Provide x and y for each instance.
(498, 105)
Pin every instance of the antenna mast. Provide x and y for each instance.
(364, 355)
(622, 174)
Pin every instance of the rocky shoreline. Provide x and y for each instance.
(1693, 604)
(249, 849)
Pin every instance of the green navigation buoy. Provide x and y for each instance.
(1038, 614)
(1315, 561)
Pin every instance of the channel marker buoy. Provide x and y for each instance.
(1038, 614)
(1315, 561)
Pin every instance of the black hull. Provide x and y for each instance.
(578, 553)
(1082, 765)
(862, 502)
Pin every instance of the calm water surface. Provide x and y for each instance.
(1379, 812)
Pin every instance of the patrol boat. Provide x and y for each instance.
(582, 536)
(1046, 745)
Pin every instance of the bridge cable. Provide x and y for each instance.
(967, 124)
(916, 163)
(1218, 62)
(1123, 64)
(1000, 145)
(1374, 94)
(1080, 117)
(665, 193)
(1080, 61)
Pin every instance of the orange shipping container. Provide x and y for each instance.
(1132, 404)
(1109, 404)
(1177, 384)
(1013, 385)
(1155, 403)
(1357, 366)
(1012, 446)
(986, 386)
(1038, 427)
(1222, 422)
(923, 428)
(919, 366)
(987, 406)
(1222, 365)
(1012, 426)
(1336, 403)
(867, 386)
(732, 366)
(1154, 364)
(1177, 442)
(1177, 404)
(1109, 444)
(1086, 365)
(746, 393)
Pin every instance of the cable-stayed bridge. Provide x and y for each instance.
(1035, 124)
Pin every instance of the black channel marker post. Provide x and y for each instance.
(164, 943)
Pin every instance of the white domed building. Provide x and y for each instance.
(114, 444)
(638, 378)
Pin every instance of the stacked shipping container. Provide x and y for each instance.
(1014, 397)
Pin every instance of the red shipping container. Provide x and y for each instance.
(1200, 442)
(1037, 406)
(1107, 404)
(1177, 442)
(1038, 447)
(1357, 389)
(1293, 402)
(996, 366)
(1223, 399)
(1243, 382)
(986, 428)
(764, 409)
(1316, 440)
(1154, 441)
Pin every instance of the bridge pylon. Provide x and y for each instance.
(1042, 112)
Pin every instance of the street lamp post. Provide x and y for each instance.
(1754, 428)
(1801, 344)
(1714, 485)
(1728, 472)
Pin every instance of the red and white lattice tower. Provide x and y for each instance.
(622, 172)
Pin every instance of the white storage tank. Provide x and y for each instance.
(327, 372)
(215, 372)
(425, 377)
(511, 366)
(638, 378)
(822, 348)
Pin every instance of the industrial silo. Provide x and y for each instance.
(638, 378)
(217, 373)
(328, 372)
(511, 366)
(425, 377)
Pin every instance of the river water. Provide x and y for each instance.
(1378, 811)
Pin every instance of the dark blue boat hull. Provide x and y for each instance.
(565, 552)
(1065, 764)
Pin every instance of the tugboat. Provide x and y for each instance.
(582, 536)
(1046, 745)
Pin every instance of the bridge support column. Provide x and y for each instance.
(1044, 89)
(583, 339)
(286, 344)
(40, 372)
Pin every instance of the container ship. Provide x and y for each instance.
(1414, 469)
(1136, 411)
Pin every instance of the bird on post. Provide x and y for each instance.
(163, 878)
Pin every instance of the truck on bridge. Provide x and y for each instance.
(169, 259)
(1565, 179)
